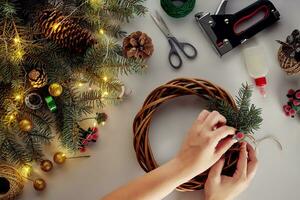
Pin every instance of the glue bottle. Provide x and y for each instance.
(256, 65)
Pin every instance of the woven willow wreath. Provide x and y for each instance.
(16, 182)
(163, 94)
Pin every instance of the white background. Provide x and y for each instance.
(113, 161)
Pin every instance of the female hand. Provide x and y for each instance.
(219, 187)
(205, 143)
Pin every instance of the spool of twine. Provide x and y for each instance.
(12, 182)
(178, 11)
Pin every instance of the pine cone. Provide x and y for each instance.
(64, 31)
(138, 45)
(38, 77)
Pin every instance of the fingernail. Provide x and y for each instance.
(234, 140)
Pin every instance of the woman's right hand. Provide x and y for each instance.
(219, 187)
(205, 143)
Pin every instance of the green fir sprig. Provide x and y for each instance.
(246, 117)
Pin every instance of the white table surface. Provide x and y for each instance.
(113, 160)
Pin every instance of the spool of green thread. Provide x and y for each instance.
(172, 8)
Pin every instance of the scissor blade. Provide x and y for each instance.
(161, 26)
(162, 21)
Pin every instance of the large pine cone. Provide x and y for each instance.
(138, 45)
(64, 31)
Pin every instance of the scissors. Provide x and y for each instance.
(183, 46)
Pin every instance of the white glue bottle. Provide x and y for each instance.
(256, 65)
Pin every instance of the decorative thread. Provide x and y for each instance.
(178, 11)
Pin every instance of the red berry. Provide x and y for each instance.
(82, 149)
(95, 136)
(85, 142)
(292, 112)
(297, 95)
(95, 129)
(291, 92)
(296, 103)
(286, 108)
(240, 135)
(287, 114)
(89, 137)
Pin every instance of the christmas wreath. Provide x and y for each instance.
(239, 114)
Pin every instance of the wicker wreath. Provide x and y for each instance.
(14, 183)
(163, 94)
(290, 65)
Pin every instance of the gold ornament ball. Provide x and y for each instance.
(59, 158)
(26, 125)
(46, 165)
(39, 184)
(55, 89)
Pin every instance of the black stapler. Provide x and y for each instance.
(222, 29)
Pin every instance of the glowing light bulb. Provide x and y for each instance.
(11, 117)
(55, 26)
(95, 3)
(105, 94)
(101, 31)
(17, 40)
(80, 84)
(18, 97)
(19, 54)
(103, 123)
(105, 78)
(26, 170)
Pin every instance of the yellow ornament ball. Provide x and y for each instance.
(26, 125)
(46, 165)
(55, 89)
(39, 184)
(59, 158)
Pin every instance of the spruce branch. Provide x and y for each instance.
(70, 131)
(246, 117)
(11, 150)
(7, 9)
(33, 146)
(92, 98)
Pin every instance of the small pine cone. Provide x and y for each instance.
(138, 45)
(64, 31)
(38, 77)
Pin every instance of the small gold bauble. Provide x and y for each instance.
(59, 158)
(26, 125)
(46, 165)
(39, 184)
(55, 89)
